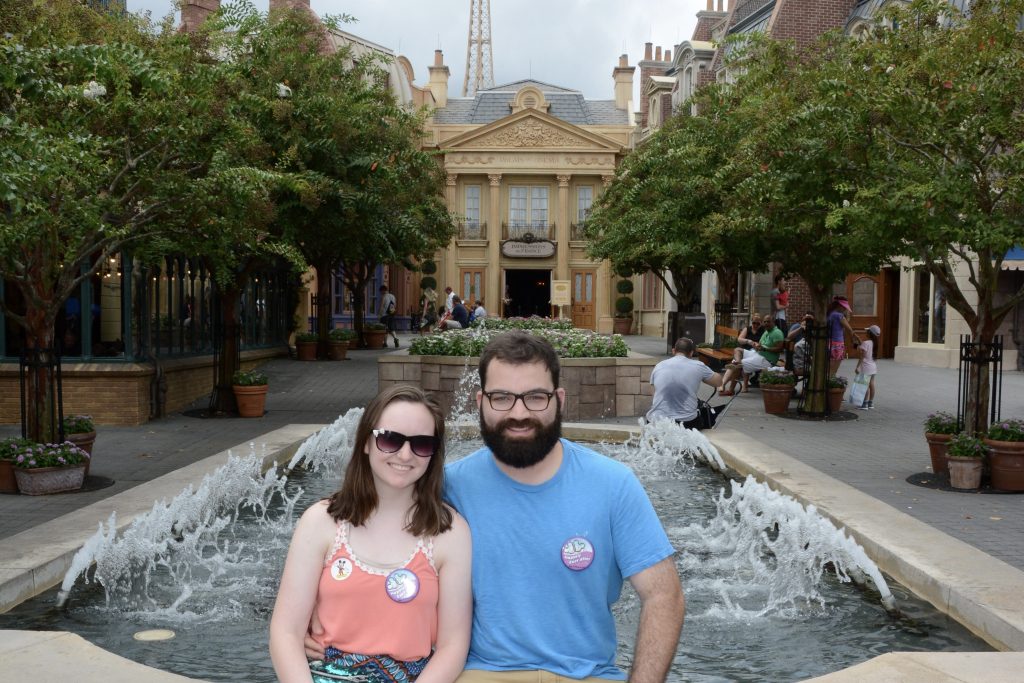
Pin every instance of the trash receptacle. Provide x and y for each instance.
(684, 324)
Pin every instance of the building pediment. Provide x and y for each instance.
(531, 129)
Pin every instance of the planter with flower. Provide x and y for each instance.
(966, 458)
(1005, 441)
(9, 449)
(338, 341)
(250, 387)
(939, 428)
(81, 431)
(836, 391)
(776, 390)
(42, 468)
(375, 334)
(305, 345)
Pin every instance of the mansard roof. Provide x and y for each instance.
(495, 103)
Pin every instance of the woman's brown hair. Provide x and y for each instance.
(356, 500)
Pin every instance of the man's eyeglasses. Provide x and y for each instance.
(391, 442)
(535, 401)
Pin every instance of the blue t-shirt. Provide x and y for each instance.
(530, 609)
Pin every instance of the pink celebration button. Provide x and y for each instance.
(577, 553)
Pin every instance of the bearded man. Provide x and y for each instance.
(556, 529)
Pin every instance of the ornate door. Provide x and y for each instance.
(875, 302)
(583, 315)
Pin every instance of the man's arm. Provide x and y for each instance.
(662, 608)
(714, 379)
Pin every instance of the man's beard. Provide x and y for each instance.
(522, 452)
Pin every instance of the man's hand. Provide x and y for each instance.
(312, 647)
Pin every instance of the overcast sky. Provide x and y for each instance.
(570, 43)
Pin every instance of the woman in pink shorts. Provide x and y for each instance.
(838, 325)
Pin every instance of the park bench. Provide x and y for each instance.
(715, 357)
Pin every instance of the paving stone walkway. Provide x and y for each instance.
(874, 453)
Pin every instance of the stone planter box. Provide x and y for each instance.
(594, 387)
(40, 481)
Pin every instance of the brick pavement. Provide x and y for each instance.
(874, 453)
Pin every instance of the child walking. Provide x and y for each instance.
(867, 366)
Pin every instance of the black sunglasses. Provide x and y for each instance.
(391, 442)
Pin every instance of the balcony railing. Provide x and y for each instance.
(472, 230)
(516, 230)
(576, 231)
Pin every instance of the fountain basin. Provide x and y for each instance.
(830, 496)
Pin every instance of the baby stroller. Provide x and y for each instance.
(711, 416)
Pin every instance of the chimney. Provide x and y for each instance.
(649, 47)
(711, 5)
(623, 75)
(668, 55)
(438, 83)
(194, 13)
(657, 54)
(721, 5)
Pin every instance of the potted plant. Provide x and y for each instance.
(965, 459)
(250, 387)
(776, 390)
(375, 334)
(9, 449)
(623, 323)
(305, 345)
(338, 341)
(836, 390)
(42, 468)
(1005, 441)
(80, 430)
(939, 428)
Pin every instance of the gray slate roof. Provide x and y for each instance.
(568, 105)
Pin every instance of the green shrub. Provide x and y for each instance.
(941, 423)
(1007, 430)
(531, 323)
(567, 343)
(623, 306)
(837, 382)
(78, 424)
(248, 378)
(773, 378)
(624, 287)
(307, 337)
(963, 445)
(428, 267)
(340, 334)
(374, 327)
(428, 283)
(49, 455)
(9, 448)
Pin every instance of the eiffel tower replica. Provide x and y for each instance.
(479, 61)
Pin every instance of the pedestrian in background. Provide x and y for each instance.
(867, 366)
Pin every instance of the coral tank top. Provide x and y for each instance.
(378, 611)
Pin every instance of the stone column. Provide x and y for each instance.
(494, 293)
(563, 228)
(450, 271)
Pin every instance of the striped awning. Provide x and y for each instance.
(1014, 259)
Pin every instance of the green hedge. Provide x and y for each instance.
(568, 343)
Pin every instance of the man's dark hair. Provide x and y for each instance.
(383, 288)
(685, 346)
(519, 348)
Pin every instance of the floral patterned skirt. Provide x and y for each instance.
(349, 666)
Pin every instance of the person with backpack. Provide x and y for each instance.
(388, 308)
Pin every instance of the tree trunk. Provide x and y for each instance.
(41, 400)
(356, 276)
(227, 362)
(324, 281)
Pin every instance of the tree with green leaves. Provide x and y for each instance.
(944, 92)
(366, 194)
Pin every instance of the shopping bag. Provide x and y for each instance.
(858, 390)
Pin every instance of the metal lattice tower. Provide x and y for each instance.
(479, 61)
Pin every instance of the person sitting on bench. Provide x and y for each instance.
(676, 382)
(767, 355)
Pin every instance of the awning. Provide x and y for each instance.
(1014, 259)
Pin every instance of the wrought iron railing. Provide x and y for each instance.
(473, 230)
(520, 230)
(576, 231)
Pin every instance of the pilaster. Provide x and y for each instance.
(451, 272)
(562, 230)
(495, 293)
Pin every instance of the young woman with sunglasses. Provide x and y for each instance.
(383, 564)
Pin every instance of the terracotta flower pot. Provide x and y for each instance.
(305, 350)
(964, 473)
(337, 350)
(83, 440)
(8, 482)
(250, 400)
(776, 397)
(937, 445)
(835, 399)
(622, 325)
(1006, 460)
(39, 481)
(375, 339)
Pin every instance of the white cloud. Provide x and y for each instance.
(571, 43)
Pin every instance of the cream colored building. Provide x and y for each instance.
(525, 162)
